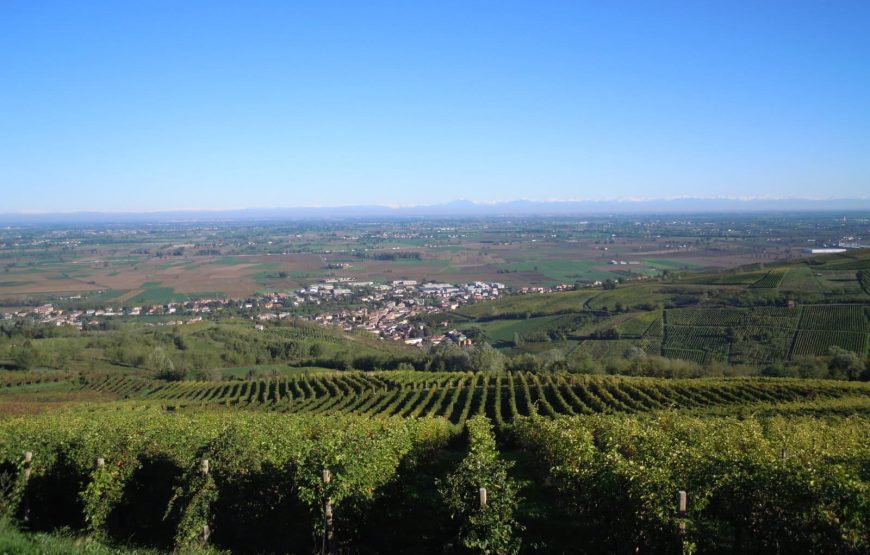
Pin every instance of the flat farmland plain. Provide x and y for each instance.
(186, 260)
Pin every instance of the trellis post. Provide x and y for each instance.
(28, 462)
(329, 543)
(206, 529)
(682, 509)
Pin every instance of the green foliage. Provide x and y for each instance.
(492, 528)
(797, 485)
(250, 455)
(455, 396)
(771, 280)
(15, 542)
(160, 362)
(25, 356)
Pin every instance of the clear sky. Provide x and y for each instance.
(151, 105)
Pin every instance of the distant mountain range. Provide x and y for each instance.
(457, 208)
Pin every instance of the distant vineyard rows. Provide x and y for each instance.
(457, 396)
(763, 334)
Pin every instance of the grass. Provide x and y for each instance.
(499, 331)
(104, 295)
(638, 324)
(628, 295)
(44, 387)
(564, 271)
(267, 369)
(16, 542)
(668, 264)
(229, 261)
(157, 295)
(771, 280)
(163, 295)
(800, 279)
(535, 304)
(727, 278)
(610, 348)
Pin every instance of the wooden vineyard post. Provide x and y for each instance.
(682, 507)
(328, 523)
(206, 530)
(483, 498)
(101, 462)
(28, 461)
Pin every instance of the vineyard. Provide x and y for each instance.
(789, 486)
(265, 482)
(811, 342)
(864, 279)
(290, 437)
(704, 317)
(14, 379)
(763, 334)
(834, 317)
(711, 343)
(456, 396)
(771, 280)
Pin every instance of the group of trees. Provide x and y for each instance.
(28, 354)
(838, 364)
(175, 353)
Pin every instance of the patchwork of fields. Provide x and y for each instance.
(752, 335)
(763, 334)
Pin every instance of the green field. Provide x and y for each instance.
(746, 316)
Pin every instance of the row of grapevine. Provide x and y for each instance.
(305, 332)
(704, 317)
(706, 339)
(842, 317)
(849, 264)
(124, 475)
(863, 277)
(752, 486)
(818, 342)
(771, 280)
(262, 482)
(772, 316)
(656, 329)
(735, 317)
(761, 344)
(458, 396)
(17, 379)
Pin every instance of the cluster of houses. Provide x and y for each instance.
(624, 262)
(554, 289)
(52, 314)
(391, 310)
(386, 310)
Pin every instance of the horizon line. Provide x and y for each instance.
(480, 203)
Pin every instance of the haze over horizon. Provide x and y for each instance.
(221, 106)
(459, 208)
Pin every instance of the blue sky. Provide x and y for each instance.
(209, 105)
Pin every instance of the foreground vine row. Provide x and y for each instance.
(255, 482)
